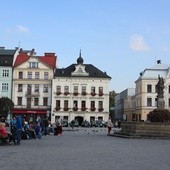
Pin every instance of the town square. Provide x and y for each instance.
(85, 85)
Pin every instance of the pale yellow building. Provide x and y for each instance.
(136, 107)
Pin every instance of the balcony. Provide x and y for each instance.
(84, 93)
(75, 93)
(101, 109)
(93, 93)
(66, 93)
(83, 109)
(100, 93)
(93, 109)
(75, 108)
(58, 93)
(66, 108)
(57, 108)
(31, 94)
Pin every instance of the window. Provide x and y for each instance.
(28, 102)
(4, 86)
(149, 101)
(149, 88)
(100, 90)
(36, 101)
(36, 89)
(29, 75)
(57, 103)
(19, 101)
(45, 75)
(83, 104)
(29, 89)
(20, 75)
(45, 101)
(45, 89)
(83, 90)
(65, 103)
(92, 104)
(20, 87)
(100, 104)
(58, 89)
(66, 89)
(37, 75)
(75, 103)
(33, 65)
(5, 73)
(75, 89)
(92, 89)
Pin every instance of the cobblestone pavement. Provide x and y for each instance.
(86, 149)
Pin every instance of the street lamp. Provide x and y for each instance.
(48, 113)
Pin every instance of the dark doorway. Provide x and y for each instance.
(79, 119)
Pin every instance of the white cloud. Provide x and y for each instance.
(22, 29)
(138, 44)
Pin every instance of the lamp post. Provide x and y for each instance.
(48, 113)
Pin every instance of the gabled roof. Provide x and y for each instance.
(21, 58)
(49, 59)
(93, 71)
(7, 56)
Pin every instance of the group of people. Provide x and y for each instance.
(20, 129)
(14, 134)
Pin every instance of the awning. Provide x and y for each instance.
(29, 111)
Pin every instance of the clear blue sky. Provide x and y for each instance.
(121, 37)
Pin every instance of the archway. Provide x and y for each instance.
(79, 119)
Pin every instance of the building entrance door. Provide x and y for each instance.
(79, 119)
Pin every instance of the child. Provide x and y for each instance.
(38, 130)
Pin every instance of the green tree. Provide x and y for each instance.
(6, 105)
(112, 95)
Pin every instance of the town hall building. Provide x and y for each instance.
(80, 92)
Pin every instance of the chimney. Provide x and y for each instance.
(49, 54)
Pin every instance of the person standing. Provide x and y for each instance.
(19, 128)
(109, 125)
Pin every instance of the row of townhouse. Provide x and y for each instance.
(134, 104)
(37, 87)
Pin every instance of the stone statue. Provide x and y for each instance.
(160, 91)
(160, 87)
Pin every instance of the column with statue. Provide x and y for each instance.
(160, 93)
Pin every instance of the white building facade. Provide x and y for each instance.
(32, 84)
(80, 92)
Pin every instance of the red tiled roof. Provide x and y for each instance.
(21, 58)
(48, 58)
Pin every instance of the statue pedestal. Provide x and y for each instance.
(161, 104)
